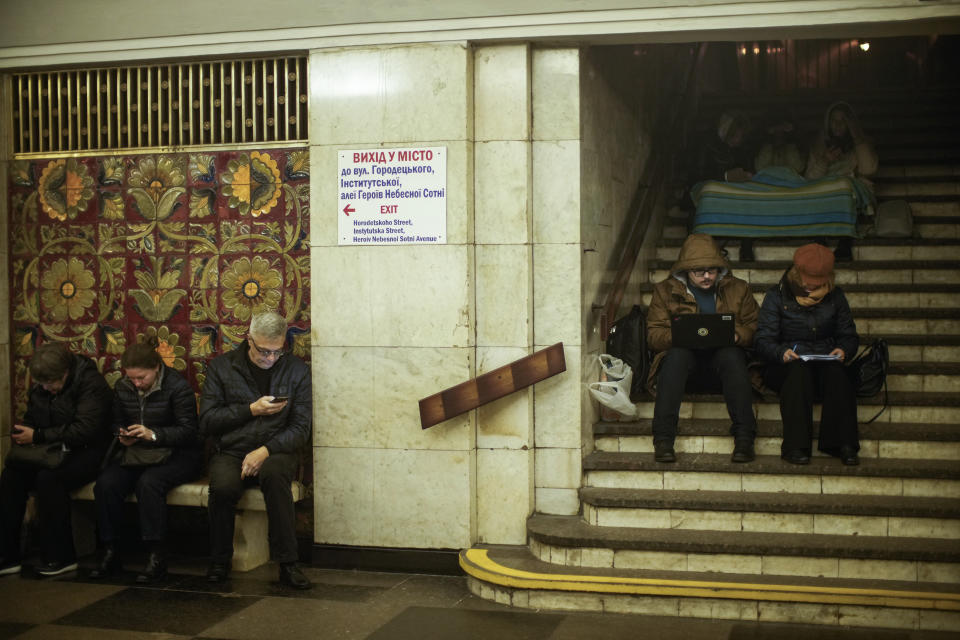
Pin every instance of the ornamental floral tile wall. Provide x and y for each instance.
(184, 246)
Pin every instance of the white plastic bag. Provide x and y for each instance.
(614, 391)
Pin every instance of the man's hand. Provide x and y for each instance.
(133, 433)
(22, 434)
(839, 353)
(790, 355)
(265, 406)
(252, 463)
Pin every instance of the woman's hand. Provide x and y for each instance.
(22, 434)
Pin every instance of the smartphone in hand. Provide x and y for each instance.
(277, 399)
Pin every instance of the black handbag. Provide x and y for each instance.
(138, 455)
(47, 456)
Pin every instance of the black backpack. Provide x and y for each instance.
(869, 372)
(628, 341)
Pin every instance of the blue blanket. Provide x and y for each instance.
(778, 202)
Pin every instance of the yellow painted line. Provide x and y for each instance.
(477, 563)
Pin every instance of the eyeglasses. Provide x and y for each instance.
(702, 272)
(267, 353)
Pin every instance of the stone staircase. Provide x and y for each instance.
(877, 545)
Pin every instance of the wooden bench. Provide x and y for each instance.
(250, 546)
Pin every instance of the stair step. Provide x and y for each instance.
(880, 506)
(768, 473)
(716, 463)
(885, 516)
(590, 581)
(892, 273)
(941, 301)
(770, 428)
(904, 406)
(909, 559)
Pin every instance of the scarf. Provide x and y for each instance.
(803, 298)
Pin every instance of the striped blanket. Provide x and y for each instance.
(778, 202)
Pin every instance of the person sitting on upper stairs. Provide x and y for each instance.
(727, 155)
(842, 149)
(804, 315)
(700, 282)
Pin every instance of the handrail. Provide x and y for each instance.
(645, 198)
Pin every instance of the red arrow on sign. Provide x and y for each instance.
(348, 210)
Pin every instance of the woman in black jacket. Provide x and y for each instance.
(807, 315)
(157, 448)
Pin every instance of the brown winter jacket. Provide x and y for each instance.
(672, 297)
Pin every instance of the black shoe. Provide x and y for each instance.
(55, 568)
(663, 451)
(746, 251)
(156, 569)
(292, 576)
(109, 564)
(849, 456)
(844, 250)
(743, 452)
(9, 567)
(218, 572)
(796, 457)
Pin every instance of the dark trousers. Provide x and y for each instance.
(800, 385)
(150, 484)
(728, 364)
(226, 488)
(53, 487)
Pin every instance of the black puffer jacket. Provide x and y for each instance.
(228, 392)
(170, 411)
(79, 415)
(821, 328)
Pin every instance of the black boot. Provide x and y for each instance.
(109, 563)
(746, 250)
(156, 569)
(844, 250)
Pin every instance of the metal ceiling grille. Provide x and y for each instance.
(164, 105)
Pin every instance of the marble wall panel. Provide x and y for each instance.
(368, 396)
(556, 94)
(394, 497)
(557, 402)
(502, 92)
(558, 468)
(504, 295)
(398, 94)
(556, 191)
(560, 502)
(504, 495)
(556, 294)
(506, 423)
(393, 296)
(502, 192)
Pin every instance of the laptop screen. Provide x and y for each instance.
(702, 330)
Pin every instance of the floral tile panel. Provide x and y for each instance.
(183, 246)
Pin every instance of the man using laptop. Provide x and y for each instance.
(700, 282)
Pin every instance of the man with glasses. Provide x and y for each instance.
(256, 405)
(700, 282)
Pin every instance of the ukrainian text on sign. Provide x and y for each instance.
(392, 196)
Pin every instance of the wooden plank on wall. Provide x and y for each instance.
(492, 385)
